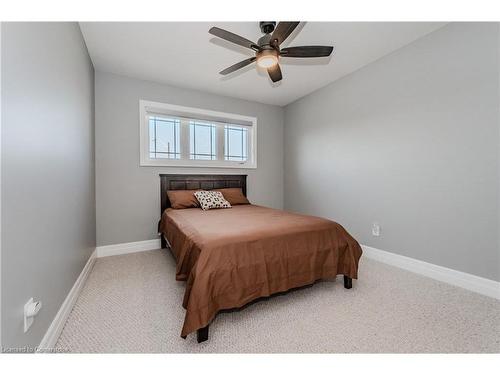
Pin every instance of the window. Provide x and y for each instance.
(236, 147)
(202, 141)
(190, 137)
(164, 138)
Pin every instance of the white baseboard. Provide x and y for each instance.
(127, 248)
(464, 280)
(52, 335)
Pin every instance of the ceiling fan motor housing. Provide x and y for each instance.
(264, 42)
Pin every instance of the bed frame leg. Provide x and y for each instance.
(162, 239)
(202, 334)
(347, 282)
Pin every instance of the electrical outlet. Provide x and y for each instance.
(30, 310)
(376, 229)
(28, 320)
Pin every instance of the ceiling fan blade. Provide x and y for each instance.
(275, 73)
(237, 66)
(233, 38)
(282, 31)
(307, 51)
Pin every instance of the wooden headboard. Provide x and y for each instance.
(198, 181)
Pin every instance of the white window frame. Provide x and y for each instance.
(220, 119)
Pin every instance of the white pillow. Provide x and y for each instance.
(211, 199)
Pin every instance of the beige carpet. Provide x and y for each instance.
(132, 303)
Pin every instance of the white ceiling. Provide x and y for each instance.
(184, 54)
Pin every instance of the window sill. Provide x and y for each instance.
(196, 164)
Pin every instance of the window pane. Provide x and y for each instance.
(236, 145)
(164, 138)
(202, 141)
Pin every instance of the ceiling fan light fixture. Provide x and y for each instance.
(267, 58)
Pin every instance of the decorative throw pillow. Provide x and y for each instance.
(182, 199)
(234, 196)
(211, 199)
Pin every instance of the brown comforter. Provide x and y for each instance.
(230, 257)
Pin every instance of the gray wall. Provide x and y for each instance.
(127, 195)
(410, 141)
(48, 200)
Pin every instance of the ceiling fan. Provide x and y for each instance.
(267, 49)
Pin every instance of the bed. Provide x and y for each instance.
(231, 257)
